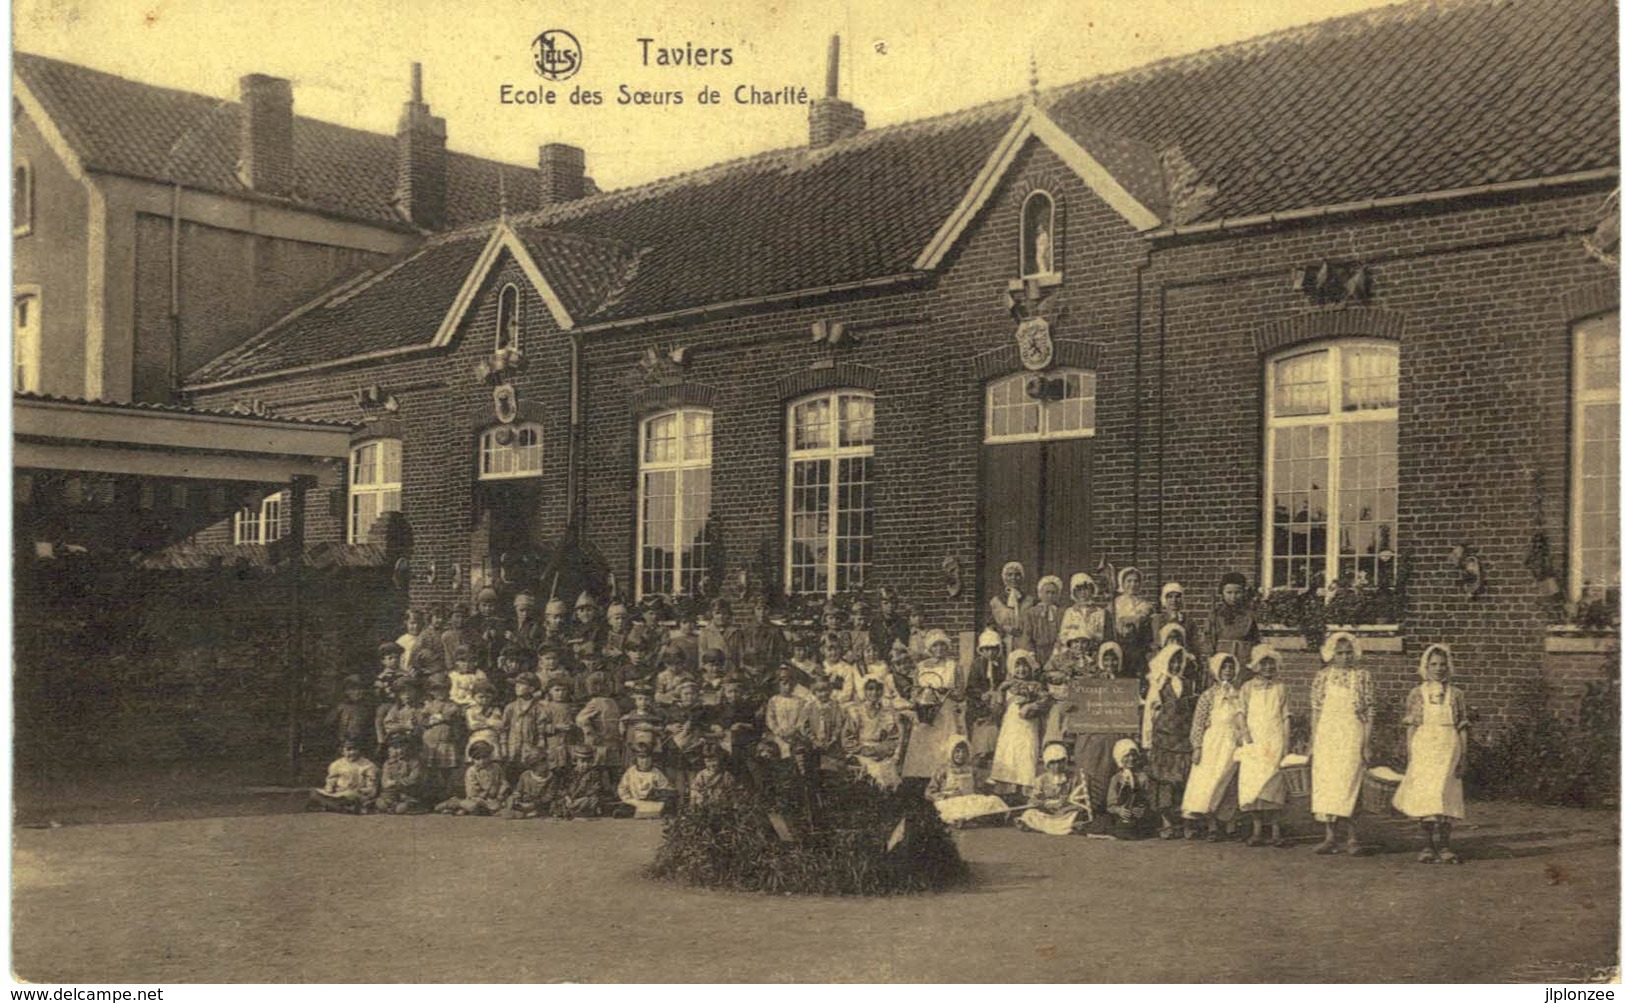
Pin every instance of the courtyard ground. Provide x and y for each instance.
(239, 886)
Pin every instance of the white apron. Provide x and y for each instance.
(1205, 787)
(968, 806)
(1260, 786)
(1431, 786)
(1337, 764)
(1015, 758)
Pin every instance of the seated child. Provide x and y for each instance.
(674, 671)
(1060, 800)
(352, 782)
(712, 785)
(954, 790)
(583, 789)
(785, 718)
(825, 727)
(1058, 685)
(713, 669)
(442, 755)
(533, 791)
(484, 788)
(401, 782)
(644, 791)
(874, 736)
(843, 675)
(464, 676)
(1128, 813)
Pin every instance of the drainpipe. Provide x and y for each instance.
(572, 480)
(175, 294)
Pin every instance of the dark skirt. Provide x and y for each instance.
(1093, 755)
(1168, 771)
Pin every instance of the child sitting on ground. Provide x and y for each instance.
(352, 782)
(583, 789)
(533, 790)
(401, 781)
(954, 790)
(644, 790)
(1128, 813)
(1060, 801)
(712, 785)
(484, 788)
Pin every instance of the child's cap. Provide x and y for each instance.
(480, 747)
(712, 656)
(524, 679)
(1054, 752)
(390, 648)
(353, 682)
(598, 684)
(1123, 749)
(989, 639)
(641, 746)
(462, 653)
(350, 742)
(673, 656)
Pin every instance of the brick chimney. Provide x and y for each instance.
(420, 160)
(563, 172)
(265, 138)
(830, 118)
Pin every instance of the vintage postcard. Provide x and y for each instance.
(815, 492)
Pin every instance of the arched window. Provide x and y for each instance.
(829, 517)
(375, 485)
(25, 344)
(508, 318)
(1331, 472)
(674, 501)
(22, 198)
(264, 521)
(1038, 238)
(1594, 515)
(511, 451)
(1026, 407)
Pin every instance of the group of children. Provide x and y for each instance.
(588, 716)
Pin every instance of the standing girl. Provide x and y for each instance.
(1215, 735)
(1165, 731)
(1131, 623)
(1087, 615)
(1015, 758)
(1341, 701)
(1266, 717)
(1436, 734)
(1233, 629)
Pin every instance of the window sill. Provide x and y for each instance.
(1567, 639)
(1045, 281)
(1384, 637)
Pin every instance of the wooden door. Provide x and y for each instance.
(1012, 481)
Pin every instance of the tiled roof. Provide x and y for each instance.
(397, 306)
(1417, 98)
(130, 128)
(1414, 98)
(327, 556)
(176, 409)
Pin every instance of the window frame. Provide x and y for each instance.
(31, 295)
(1044, 434)
(1054, 241)
(1579, 397)
(681, 466)
(485, 453)
(22, 222)
(834, 453)
(356, 489)
(508, 303)
(266, 519)
(1335, 419)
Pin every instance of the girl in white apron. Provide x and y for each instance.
(1015, 758)
(1215, 735)
(1436, 723)
(1266, 716)
(1341, 700)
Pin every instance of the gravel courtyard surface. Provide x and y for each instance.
(324, 898)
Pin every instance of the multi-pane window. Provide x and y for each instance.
(830, 518)
(511, 451)
(1331, 482)
(1027, 406)
(25, 344)
(375, 485)
(1594, 538)
(508, 318)
(674, 501)
(263, 521)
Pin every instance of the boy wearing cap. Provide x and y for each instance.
(762, 647)
(644, 791)
(486, 629)
(352, 783)
(527, 627)
(583, 790)
(644, 721)
(649, 632)
(484, 719)
(721, 635)
(712, 785)
(521, 723)
(685, 636)
(402, 716)
(442, 748)
(555, 718)
(589, 634)
(533, 792)
(484, 788)
(401, 780)
(675, 670)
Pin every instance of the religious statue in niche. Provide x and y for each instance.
(1038, 235)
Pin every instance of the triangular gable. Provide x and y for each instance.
(1032, 123)
(48, 127)
(502, 239)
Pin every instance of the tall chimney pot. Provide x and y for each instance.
(420, 160)
(832, 119)
(563, 172)
(265, 134)
(832, 73)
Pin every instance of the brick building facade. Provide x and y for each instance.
(1284, 334)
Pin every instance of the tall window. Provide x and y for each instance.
(511, 451)
(25, 345)
(22, 198)
(831, 505)
(1030, 406)
(263, 521)
(1037, 235)
(674, 501)
(1332, 472)
(508, 318)
(375, 485)
(1594, 538)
